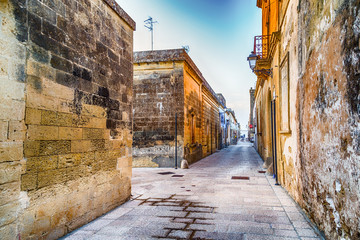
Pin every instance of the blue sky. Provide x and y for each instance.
(220, 36)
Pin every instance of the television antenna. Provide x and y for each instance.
(149, 24)
(186, 48)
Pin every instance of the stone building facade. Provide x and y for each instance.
(65, 114)
(167, 82)
(251, 123)
(308, 109)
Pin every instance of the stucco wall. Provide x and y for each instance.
(65, 114)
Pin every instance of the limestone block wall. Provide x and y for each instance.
(201, 113)
(12, 125)
(168, 82)
(329, 115)
(193, 115)
(158, 95)
(65, 114)
(210, 120)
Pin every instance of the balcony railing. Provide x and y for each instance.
(261, 46)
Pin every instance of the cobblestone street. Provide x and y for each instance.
(204, 202)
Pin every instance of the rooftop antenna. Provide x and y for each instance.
(149, 24)
(186, 48)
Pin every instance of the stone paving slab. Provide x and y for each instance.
(205, 203)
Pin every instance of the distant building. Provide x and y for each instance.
(251, 124)
(167, 82)
(232, 128)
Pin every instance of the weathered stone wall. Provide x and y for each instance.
(210, 123)
(193, 116)
(329, 111)
(66, 116)
(158, 95)
(12, 125)
(201, 108)
(168, 82)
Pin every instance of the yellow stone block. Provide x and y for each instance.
(3, 130)
(39, 132)
(69, 133)
(126, 172)
(107, 133)
(12, 109)
(93, 133)
(101, 156)
(54, 147)
(80, 121)
(49, 118)
(80, 146)
(17, 130)
(93, 111)
(40, 70)
(70, 160)
(31, 148)
(9, 172)
(66, 119)
(42, 163)
(143, 162)
(124, 162)
(51, 177)
(32, 116)
(37, 100)
(116, 143)
(66, 106)
(29, 181)
(11, 151)
(56, 90)
(96, 123)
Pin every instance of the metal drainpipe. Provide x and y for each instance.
(211, 138)
(176, 141)
(275, 147)
(272, 138)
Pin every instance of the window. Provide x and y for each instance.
(284, 95)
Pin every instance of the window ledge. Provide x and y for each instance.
(285, 132)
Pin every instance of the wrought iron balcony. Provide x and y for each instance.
(261, 46)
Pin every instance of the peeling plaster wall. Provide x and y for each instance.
(329, 110)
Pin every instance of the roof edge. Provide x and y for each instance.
(173, 55)
(122, 14)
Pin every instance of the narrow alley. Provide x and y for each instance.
(204, 202)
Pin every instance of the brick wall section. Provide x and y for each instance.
(74, 117)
